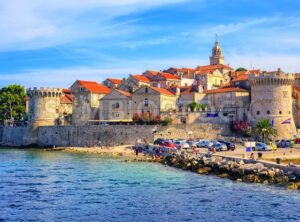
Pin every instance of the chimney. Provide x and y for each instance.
(177, 91)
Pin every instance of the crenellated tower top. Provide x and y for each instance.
(272, 78)
(44, 92)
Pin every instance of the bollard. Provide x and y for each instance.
(259, 155)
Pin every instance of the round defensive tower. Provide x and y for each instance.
(271, 98)
(44, 106)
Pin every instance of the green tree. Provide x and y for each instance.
(241, 69)
(194, 106)
(264, 130)
(12, 103)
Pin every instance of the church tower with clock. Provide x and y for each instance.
(217, 57)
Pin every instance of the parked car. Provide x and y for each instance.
(185, 146)
(167, 144)
(261, 147)
(218, 146)
(204, 144)
(158, 141)
(229, 145)
(179, 143)
(272, 145)
(297, 141)
(283, 143)
(192, 143)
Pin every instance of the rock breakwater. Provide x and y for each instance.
(238, 170)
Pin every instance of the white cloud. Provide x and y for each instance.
(35, 23)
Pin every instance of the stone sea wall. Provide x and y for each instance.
(105, 135)
(18, 136)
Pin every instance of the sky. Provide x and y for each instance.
(54, 43)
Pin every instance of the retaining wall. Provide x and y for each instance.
(110, 135)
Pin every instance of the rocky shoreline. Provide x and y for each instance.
(241, 171)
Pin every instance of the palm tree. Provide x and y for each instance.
(264, 129)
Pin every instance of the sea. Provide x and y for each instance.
(39, 185)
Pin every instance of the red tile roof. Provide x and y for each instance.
(152, 72)
(168, 76)
(67, 91)
(66, 99)
(241, 77)
(162, 91)
(212, 67)
(225, 90)
(94, 87)
(115, 81)
(124, 92)
(141, 78)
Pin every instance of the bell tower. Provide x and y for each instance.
(217, 57)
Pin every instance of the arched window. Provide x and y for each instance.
(280, 112)
(257, 113)
(146, 103)
(268, 112)
(146, 90)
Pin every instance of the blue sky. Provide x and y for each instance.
(53, 43)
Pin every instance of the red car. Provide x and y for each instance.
(167, 144)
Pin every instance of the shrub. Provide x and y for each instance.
(240, 127)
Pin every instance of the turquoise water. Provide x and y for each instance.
(56, 186)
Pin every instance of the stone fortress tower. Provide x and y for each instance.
(271, 98)
(44, 106)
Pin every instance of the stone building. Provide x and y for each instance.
(271, 98)
(44, 106)
(150, 74)
(134, 82)
(211, 79)
(187, 73)
(228, 103)
(153, 100)
(165, 80)
(116, 107)
(112, 82)
(86, 100)
(189, 95)
(65, 108)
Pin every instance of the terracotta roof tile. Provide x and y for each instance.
(115, 81)
(66, 99)
(124, 92)
(94, 87)
(162, 91)
(242, 77)
(168, 76)
(141, 78)
(212, 67)
(225, 90)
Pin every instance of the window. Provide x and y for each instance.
(268, 112)
(257, 113)
(146, 90)
(280, 112)
(116, 106)
(146, 103)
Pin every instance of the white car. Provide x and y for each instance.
(262, 147)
